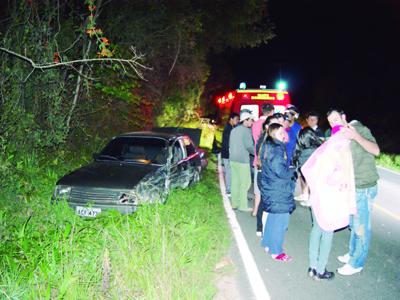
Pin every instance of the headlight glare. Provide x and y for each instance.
(62, 191)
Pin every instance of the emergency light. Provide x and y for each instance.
(242, 85)
(281, 85)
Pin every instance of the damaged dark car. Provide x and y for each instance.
(133, 169)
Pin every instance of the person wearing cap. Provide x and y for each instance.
(240, 147)
(267, 110)
(292, 129)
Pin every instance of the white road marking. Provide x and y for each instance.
(254, 276)
(389, 170)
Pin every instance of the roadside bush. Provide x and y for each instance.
(391, 161)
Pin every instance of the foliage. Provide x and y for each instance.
(104, 46)
(391, 161)
(177, 38)
(123, 91)
(161, 252)
(181, 107)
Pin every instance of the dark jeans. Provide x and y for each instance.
(259, 217)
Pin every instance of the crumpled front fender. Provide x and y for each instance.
(154, 187)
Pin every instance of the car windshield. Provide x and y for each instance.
(138, 149)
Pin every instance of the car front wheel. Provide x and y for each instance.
(196, 177)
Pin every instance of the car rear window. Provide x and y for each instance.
(141, 149)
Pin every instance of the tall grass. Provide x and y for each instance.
(391, 161)
(161, 252)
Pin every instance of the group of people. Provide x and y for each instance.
(336, 173)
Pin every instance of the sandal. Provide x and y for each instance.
(282, 257)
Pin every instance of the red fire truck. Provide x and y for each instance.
(253, 99)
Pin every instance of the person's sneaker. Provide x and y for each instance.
(301, 197)
(282, 257)
(245, 209)
(305, 203)
(344, 258)
(325, 276)
(259, 233)
(349, 270)
(312, 272)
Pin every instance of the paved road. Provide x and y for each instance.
(380, 278)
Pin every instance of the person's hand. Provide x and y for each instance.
(349, 132)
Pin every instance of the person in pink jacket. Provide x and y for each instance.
(330, 176)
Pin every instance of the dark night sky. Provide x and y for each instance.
(332, 54)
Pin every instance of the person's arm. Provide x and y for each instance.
(249, 144)
(256, 130)
(369, 146)
(279, 165)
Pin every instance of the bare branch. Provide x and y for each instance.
(81, 74)
(177, 53)
(72, 45)
(29, 75)
(30, 61)
(133, 62)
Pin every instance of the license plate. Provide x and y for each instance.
(87, 211)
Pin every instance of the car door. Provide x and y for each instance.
(179, 165)
(193, 161)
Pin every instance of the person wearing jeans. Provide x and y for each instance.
(257, 130)
(329, 173)
(319, 249)
(360, 226)
(277, 186)
(363, 150)
(276, 227)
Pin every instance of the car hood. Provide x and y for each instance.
(108, 175)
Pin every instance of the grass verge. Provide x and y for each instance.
(161, 252)
(390, 161)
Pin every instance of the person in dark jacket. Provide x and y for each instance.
(277, 187)
(232, 122)
(312, 121)
(260, 150)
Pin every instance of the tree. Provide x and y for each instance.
(65, 63)
(177, 37)
(49, 58)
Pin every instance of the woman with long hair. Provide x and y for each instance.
(277, 186)
(329, 173)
